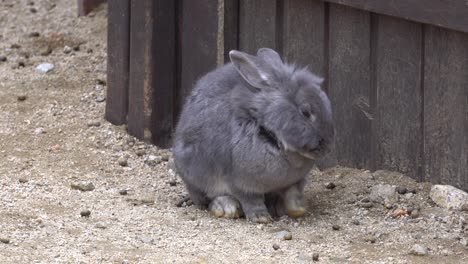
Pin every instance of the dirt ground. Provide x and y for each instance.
(53, 135)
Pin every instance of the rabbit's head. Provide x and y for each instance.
(287, 103)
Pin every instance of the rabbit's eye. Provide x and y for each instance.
(306, 113)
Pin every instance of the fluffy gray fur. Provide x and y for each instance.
(251, 130)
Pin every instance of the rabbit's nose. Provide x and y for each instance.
(320, 144)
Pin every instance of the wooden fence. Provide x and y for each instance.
(396, 71)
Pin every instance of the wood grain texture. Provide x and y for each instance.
(257, 25)
(140, 61)
(449, 14)
(86, 6)
(303, 33)
(446, 107)
(118, 49)
(350, 84)
(199, 42)
(163, 72)
(397, 119)
(231, 27)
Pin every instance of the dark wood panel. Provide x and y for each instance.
(231, 27)
(199, 42)
(86, 6)
(450, 14)
(257, 25)
(349, 84)
(446, 107)
(397, 119)
(163, 71)
(139, 114)
(118, 48)
(303, 33)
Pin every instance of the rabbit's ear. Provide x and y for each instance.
(271, 57)
(249, 68)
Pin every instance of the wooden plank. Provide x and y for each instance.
(349, 84)
(449, 14)
(163, 71)
(257, 25)
(199, 42)
(86, 6)
(118, 49)
(397, 125)
(231, 27)
(446, 107)
(304, 46)
(140, 55)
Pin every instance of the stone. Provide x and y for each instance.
(5, 240)
(94, 123)
(449, 197)
(370, 238)
(284, 235)
(330, 186)
(3, 58)
(381, 192)
(67, 49)
(39, 131)
(336, 227)
(123, 162)
(21, 98)
(83, 186)
(152, 160)
(418, 250)
(23, 180)
(464, 207)
(45, 67)
(85, 213)
(34, 34)
(315, 257)
(276, 246)
(401, 190)
(100, 99)
(46, 51)
(123, 192)
(140, 152)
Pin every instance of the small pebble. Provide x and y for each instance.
(123, 162)
(100, 226)
(94, 123)
(464, 207)
(370, 239)
(164, 157)
(414, 214)
(355, 222)
(45, 67)
(21, 64)
(276, 246)
(330, 186)
(33, 10)
(401, 190)
(146, 239)
(39, 130)
(23, 180)
(83, 186)
(367, 205)
(46, 51)
(21, 98)
(336, 227)
(172, 182)
(67, 49)
(34, 34)
(123, 192)
(101, 82)
(15, 46)
(3, 58)
(140, 152)
(411, 190)
(100, 99)
(315, 257)
(284, 235)
(418, 250)
(4, 240)
(85, 213)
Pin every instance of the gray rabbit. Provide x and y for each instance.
(249, 134)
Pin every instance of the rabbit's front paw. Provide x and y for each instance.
(295, 208)
(225, 206)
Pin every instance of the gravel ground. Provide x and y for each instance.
(76, 189)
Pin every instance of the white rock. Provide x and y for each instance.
(383, 192)
(418, 250)
(448, 197)
(45, 67)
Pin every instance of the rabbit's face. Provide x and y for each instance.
(288, 103)
(298, 113)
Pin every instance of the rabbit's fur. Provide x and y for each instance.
(249, 133)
